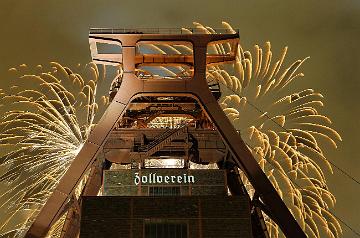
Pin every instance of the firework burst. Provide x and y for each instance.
(46, 118)
(283, 129)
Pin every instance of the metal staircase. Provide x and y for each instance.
(215, 90)
(161, 140)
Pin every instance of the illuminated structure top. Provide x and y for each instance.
(192, 39)
(162, 31)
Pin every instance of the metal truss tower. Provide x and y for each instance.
(136, 86)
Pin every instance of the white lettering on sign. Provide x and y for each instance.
(153, 178)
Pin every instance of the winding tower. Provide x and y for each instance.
(151, 117)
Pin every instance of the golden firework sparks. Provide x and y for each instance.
(42, 131)
(45, 120)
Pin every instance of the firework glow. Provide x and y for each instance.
(47, 117)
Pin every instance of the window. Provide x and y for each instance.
(164, 191)
(166, 229)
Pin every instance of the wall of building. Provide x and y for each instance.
(206, 216)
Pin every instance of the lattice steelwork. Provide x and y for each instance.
(143, 96)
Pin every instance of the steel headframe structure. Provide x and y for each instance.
(132, 86)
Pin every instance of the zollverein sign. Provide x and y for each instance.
(153, 178)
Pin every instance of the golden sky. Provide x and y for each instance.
(36, 32)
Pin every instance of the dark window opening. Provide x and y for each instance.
(164, 191)
(166, 229)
